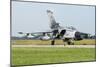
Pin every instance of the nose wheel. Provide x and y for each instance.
(68, 41)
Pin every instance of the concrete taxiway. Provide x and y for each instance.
(68, 46)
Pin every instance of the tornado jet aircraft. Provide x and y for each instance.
(67, 34)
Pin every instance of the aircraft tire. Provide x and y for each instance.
(70, 42)
(52, 42)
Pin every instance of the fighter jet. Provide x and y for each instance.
(67, 34)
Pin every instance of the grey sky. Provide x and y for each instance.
(32, 17)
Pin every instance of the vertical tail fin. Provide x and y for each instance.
(53, 24)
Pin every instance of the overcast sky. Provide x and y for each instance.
(32, 17)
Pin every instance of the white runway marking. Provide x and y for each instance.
(68, 46)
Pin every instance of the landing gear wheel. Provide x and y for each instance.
(70, 42)
(52, 42)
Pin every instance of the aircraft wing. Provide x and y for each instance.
(39, 35)
(40, 32)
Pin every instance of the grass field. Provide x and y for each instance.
(46, 55)
(48, 42)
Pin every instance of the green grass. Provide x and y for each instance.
(48, 42)
(45, 55)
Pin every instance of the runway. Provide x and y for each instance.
(67, 46)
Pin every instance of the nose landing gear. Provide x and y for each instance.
(68, 41)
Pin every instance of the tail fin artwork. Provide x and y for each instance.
(53, 24)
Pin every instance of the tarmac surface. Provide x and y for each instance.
(68, 46)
